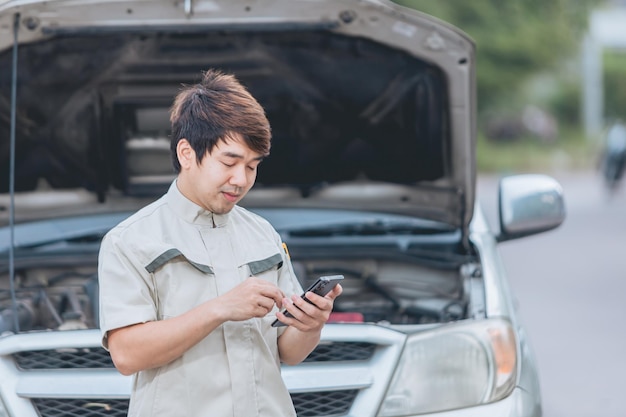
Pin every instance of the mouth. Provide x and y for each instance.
(230, 197)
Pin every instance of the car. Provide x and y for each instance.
(372, 175)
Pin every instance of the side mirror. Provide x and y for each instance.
(529, 204)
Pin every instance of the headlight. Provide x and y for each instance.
(459, 365)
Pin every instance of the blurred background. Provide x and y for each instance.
(551, 84)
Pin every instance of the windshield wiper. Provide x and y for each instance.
(372, 228)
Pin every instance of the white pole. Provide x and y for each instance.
(592, 91)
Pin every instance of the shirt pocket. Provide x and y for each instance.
(181, 281)
(265, 265)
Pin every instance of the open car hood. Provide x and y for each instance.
(371, 104)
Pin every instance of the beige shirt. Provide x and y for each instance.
(168, 258)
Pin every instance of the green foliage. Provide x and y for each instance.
(531, 155)
(565, 104)
(515, 39)
(615, 84)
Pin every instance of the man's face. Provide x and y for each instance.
(224, 176)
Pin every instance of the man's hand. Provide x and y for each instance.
(254, 297)
(304, 330)
(309, 315)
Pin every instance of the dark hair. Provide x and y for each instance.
(213, 110)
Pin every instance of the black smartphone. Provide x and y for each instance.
(321, 287)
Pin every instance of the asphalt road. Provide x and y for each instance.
(570, 285)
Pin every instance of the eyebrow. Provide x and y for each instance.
(238, 156)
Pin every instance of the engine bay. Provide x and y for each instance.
(381, 291)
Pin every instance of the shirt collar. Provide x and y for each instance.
(190, 211)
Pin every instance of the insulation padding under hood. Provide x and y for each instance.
(371, 105)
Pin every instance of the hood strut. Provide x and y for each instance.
(16, 26)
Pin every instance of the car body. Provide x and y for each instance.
(372, 175)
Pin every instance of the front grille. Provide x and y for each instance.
(341, 351)
(311, 404)
(324, 403)
(62, 407)
(93, 358)
(307, 404)
(77, 358)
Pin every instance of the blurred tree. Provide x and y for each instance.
(515, 39)
(614, 84)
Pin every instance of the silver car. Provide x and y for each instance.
(372, 175)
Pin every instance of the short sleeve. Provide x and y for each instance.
(126, 292)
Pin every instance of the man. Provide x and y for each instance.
(614, 155)
(190, 284)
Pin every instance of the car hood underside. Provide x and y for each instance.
(369, 109)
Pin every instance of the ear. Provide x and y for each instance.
(185, 153)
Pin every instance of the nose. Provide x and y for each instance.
(239, 177)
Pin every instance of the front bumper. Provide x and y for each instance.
(43, 392)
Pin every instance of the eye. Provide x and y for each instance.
(228, 165)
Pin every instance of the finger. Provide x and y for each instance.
(336, 292)
(262, 306)
(306, 317)
(266, 303)
(259, 287)
(262, 311)
(291, 306)
(271, 291)
(288, 320)
(294, 322)
(312, 307)
(317, 301)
